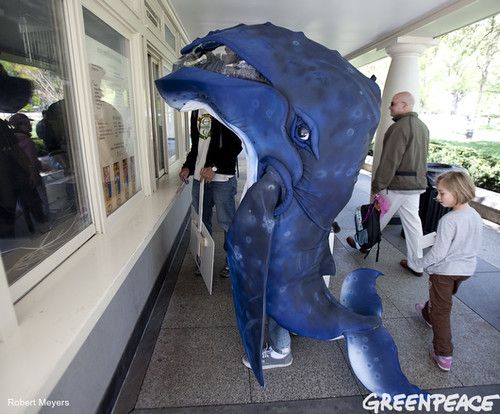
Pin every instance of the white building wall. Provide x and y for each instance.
(87, 377)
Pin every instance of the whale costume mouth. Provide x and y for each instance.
(221, 59)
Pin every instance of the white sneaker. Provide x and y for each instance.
(272, 359)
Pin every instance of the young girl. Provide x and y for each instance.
(451, 260)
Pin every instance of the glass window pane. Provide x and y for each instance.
(109, 67)
(159, 119)
(173, 155)
(170, 38)
(172, 144)
(157, 128)
(43, 198)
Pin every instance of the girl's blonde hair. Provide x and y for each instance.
(459, 184)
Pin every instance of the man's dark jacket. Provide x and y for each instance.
(223, 149)
(403, 162)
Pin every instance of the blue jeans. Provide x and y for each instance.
(279, 337)
(218, 194)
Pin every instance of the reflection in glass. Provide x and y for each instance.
(43, 201)
(157, 128)
(173, 154)
(170, 37)
(109, 68)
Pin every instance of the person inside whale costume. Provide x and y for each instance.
(305, 117)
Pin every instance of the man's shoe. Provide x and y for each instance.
(444, 363)
(224, 272)
(419, 307)
(404, 264)
(350, 241)
(272, 359)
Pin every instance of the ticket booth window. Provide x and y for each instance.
(108, 54)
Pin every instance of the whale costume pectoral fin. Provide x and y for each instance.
(249, 244)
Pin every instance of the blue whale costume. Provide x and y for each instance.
(305, 117)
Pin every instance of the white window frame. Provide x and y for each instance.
(150, 7)
(8, 319)
(136, 54)
(79, 78)
(135, 6)
(19, 288)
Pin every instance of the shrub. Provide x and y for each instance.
(483, 168)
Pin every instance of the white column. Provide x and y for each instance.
(402, 76)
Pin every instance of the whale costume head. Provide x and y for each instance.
(305, 116)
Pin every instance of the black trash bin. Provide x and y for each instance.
(430, 210)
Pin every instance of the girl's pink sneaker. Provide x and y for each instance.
(443, 362)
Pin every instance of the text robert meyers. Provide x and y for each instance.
(37, 402)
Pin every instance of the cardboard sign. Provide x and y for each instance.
(201, 244)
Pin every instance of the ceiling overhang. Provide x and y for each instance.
(358, 29)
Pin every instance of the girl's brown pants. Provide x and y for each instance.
(437, 310)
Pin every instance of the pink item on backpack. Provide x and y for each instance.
(382, 203)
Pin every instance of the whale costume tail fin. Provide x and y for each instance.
(373, 355)
(374, 359)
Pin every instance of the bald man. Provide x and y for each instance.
(402, 174)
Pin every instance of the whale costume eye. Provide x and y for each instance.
(303, 133)
(300, 132)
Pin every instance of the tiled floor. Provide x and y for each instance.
(196, 362)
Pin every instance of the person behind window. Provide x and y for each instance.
(22, 131)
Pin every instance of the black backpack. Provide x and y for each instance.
(367, 225)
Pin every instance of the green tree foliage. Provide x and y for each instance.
(487, 51)
(465, 64)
